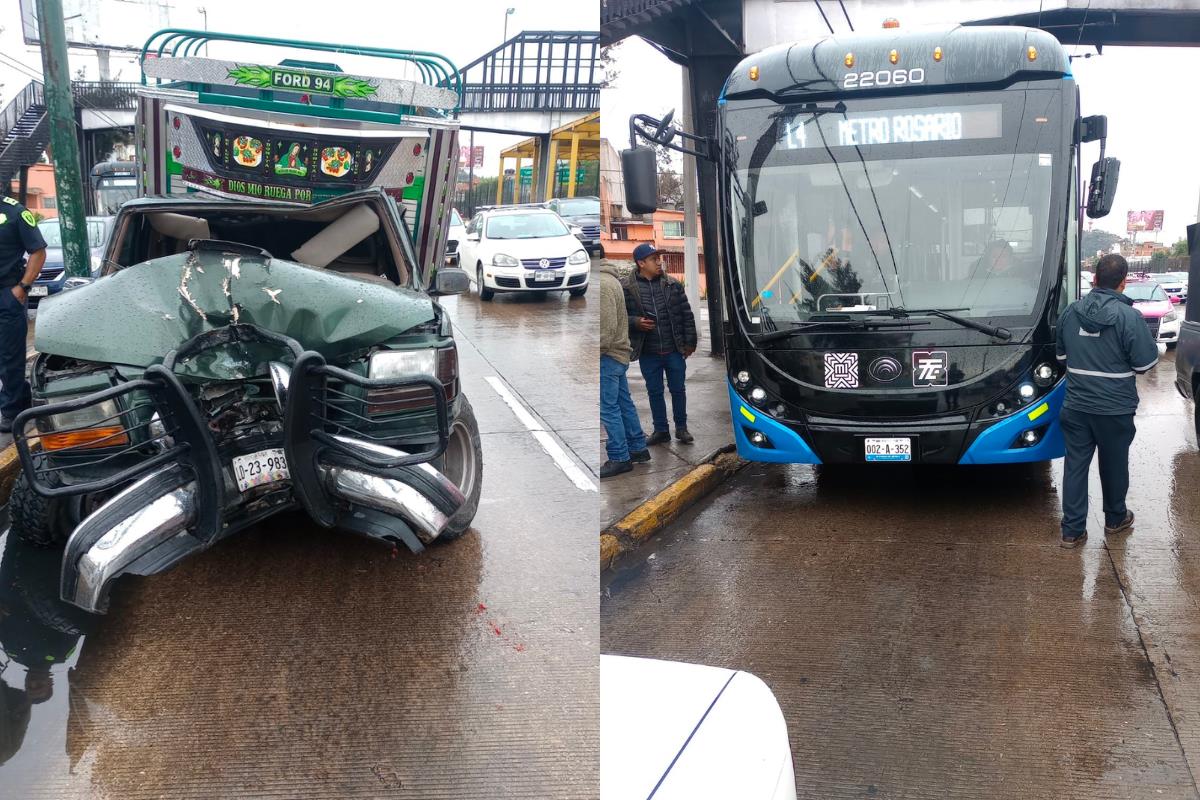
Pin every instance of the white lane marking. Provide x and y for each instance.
(544, 437)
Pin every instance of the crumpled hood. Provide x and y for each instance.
(1100, 309)
(139, 314)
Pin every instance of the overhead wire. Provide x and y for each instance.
(846, 15)
(817, 3)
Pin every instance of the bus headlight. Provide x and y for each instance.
(758, 394)
(1026, 391)
(1043, 375)
(743, 379)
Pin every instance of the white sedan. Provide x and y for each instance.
(523, 250)
(690, 732)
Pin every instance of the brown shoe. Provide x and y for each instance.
(1070, 542)
(1124, 526)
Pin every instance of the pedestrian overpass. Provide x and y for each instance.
(710, 37)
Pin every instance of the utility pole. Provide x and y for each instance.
(691, 259)
(60, 105)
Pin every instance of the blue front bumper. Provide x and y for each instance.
(993, 445)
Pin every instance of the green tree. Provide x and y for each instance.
(1097, 240)
(1158, 261)
(1180, 248)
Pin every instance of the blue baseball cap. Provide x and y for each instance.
(644, 251)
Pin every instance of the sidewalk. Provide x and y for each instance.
(708, 421)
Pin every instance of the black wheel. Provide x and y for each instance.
(484, 292)
(580, 292)
(463, 464)
(40, 521)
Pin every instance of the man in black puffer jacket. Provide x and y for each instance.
(662, 334)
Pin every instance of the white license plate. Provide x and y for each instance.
(889, 449)
(39, 291)
(544, 275)
(256, 469)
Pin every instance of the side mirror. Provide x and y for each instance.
(1093, 128)
(1103, 188)
(640, 171)
(451, 280)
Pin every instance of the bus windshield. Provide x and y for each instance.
(942, 202)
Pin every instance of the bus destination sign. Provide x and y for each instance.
(892, 127)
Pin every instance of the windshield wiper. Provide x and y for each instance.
(846, 323)
(991, 330)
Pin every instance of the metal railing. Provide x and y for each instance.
(105, 95)
(537, 71)
(31, 95)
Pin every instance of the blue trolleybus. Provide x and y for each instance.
(899, 233)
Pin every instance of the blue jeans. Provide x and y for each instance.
(674, 365)
(618, 414)
(14, 325)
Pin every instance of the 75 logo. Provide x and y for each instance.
(930, 367)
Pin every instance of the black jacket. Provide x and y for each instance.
(678, 313)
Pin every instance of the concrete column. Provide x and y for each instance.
(691, 262)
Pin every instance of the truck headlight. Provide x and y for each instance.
(97, 425)
(578, 257)
(399, 363)
(502, 260)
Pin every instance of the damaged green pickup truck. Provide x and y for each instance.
(237, 359)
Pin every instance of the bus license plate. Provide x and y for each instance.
(256, 469)
(889, 449)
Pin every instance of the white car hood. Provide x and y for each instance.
(690, 732)
(548, 247)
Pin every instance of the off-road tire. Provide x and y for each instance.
(484, 292)
(466, 426)
(40, 521)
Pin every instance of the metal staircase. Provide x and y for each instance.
(24, 132)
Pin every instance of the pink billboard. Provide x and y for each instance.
(1144, 221)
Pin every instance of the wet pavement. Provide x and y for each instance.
(708, 421)
(925, 634)
(291, 661)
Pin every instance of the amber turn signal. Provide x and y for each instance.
(86, 438)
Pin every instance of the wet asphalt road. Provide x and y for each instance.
(292, 661)
(925, 634)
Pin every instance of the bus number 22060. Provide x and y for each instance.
(884, 77)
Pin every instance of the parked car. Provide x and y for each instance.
(1156, 308)
(584, 213)
(679, 731)
(203, 385)
(53, 277)
(1175, 289)
(454, 236)
(1187, 354)
(523, 249)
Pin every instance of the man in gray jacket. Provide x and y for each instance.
(625, 441)
(1104, 341)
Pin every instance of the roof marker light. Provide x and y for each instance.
(754, 73)
(849, 60)
(894, 56)
(1031, 53)
(937, 54)
(891, 22)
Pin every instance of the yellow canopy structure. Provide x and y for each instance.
(581, 138)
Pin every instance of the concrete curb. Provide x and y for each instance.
(10, 465)
(661, 510)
